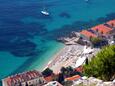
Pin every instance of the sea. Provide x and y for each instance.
(28, 39)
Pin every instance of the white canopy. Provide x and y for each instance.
(80, 61)
(87, 50)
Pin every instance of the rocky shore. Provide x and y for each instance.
(91, 81)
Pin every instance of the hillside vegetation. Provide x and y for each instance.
(102, 66)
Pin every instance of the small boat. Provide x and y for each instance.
(45, 12)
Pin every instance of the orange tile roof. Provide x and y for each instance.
(22, 76)
(79, 69)
(102, 28)
(73, 78)
(111, 22)
(48, 79)
(8, 80)
(87, 33)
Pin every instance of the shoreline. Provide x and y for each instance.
(42, 61)
(54, 57)
(67, 56)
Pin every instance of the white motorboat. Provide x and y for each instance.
(45, 12)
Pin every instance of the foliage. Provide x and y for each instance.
(47, 72)
(66, 72)
(95, 40)
(69, 71)
(102, 65)
(61, 78)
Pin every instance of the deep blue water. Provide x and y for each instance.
(28, 38)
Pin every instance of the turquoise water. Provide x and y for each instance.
(28, 38)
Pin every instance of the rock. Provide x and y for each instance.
(91, 81)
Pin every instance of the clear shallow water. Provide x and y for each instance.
(27, 38)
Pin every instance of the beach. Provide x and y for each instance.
(71, 55)
(67, 56)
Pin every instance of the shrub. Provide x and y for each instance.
(47, 72)
(103, 64)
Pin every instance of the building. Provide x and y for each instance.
(79, 69)
(49, 78)
(111, 38)
(112, 33)
(28, 78)
(102, 29)
(53, 83)
(88, 34)
(111, 23)
(73, 78)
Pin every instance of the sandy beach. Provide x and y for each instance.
(67, 56)
(54, 58)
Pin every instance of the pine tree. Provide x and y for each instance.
(103, 65)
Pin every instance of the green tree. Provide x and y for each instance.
(67, 71)
(103, 65)
(95, 40)
(61, 78)
(63, 70)
(47, 72)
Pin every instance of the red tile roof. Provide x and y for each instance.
(111, 23)
(22, 76)
(48, 79)
(87, 33)
(8, 81)
(73, 78)
(102, 29)
(79, 69)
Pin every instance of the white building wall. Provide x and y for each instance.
(4, 83)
